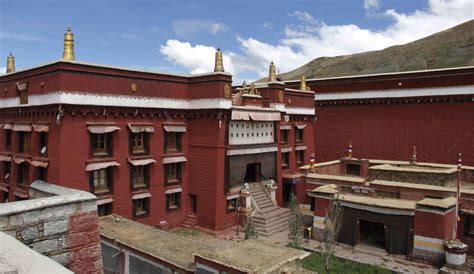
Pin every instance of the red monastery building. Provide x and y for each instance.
(385, 115)
(158, 148)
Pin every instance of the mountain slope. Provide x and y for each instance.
(450, 48)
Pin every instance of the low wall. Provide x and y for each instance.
(58, 222)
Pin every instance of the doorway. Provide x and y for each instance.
(372, 234)
(193, 203)
(252, 173)
(288, 190)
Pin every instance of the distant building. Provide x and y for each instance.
(402, 207)
(162, 149)
(384, 115)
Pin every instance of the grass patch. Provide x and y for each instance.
(314, 263)
(186, 232)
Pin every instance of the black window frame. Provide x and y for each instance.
(177, 136)
(146, 177)
(23, 174)
(8, 139)
(179, 177)
(145, 140)
(104, 209)
(109, 182)
(285, 161)
(24, 137)
(43, 142)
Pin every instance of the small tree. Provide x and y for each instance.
(295, 223)
(332, 226)
(249, 229)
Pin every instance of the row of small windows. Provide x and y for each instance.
(247, 125)
(141, 207)
(251, 134)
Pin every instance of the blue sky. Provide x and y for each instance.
(180, 36)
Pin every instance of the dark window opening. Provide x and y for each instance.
(141, 207)
(101, 180)
(232, 205)
(43, 143)
(139, 143)
(6, 172)
(173, 201)
(372, 234)
(22, 175)
(353, 169)
(285, 160)
(42, 174)
(284, 136)
(252, 173)
(8, 139)
(299, 135)
(300, 157)
(172, 141)
(24, 139)
(101, 144)
(139, 176)
(173, 173)
(104, 209)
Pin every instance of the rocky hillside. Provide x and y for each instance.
(450, 48)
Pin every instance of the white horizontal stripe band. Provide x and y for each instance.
(104, 201)
(396, 93)
(286, 149)
(243, 151)
(234, 196)
(115, 100)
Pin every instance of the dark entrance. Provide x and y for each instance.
(288, 190)
(372, 233)
(253, 173)
(193, 202)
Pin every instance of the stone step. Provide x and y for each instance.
(270, 224)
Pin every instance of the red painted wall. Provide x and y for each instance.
(389, 131)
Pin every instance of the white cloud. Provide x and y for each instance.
(3, 70)
(303, 16)
(371, 4)
(198, 58)
(312, 39)
(189, 27)
(267, 25)
(6, 35)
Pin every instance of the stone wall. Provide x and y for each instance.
(58, 222)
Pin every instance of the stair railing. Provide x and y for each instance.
(254, 206)
(262, 185)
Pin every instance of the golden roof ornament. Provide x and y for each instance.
(68, 53)
(272, 77)
(244, 87)
(303, 83)
(252, 89)
(413, 157)
(219, 64)
(10, 63)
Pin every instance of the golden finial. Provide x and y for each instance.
(10, 63)
(272, 73)
(303, 83)
(219, 64)
(413, 157)
(252, 89)
(349, 151)
(68, 53)
(244, 87)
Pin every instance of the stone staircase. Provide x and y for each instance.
(190, 221)
(270, 219)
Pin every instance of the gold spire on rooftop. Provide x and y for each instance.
(219, 64)
(10, 63)
(413, 157)
(68, 53)
(303, 83)
(272, 73)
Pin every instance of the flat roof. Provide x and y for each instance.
(424, 186)
(419, 168)
(379, 202)
(113, 67)
(253, 256)
(322, 176)
(166, 246)
(382, 74)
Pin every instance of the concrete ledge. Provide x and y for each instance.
(15, 257)
(44, 195)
